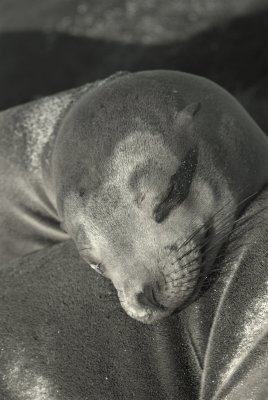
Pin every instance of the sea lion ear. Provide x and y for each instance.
(192, 109)
(187, 114)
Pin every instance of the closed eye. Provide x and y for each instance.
(93, 263)
(97, 268)
(179, 186)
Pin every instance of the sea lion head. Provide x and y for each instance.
(149, 171)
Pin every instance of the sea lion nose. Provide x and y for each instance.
(147, 298)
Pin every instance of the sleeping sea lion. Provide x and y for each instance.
(146, 172)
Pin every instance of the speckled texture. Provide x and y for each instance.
(64, 336)
(27, 204)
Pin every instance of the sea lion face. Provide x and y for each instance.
(147, 204)
(151, 241)
(152, 226)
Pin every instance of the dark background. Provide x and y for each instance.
(49, 46)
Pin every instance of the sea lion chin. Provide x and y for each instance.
(150, 171)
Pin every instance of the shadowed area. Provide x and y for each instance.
(63, 322)
(37, 63)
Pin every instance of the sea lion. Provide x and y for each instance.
(147, 172)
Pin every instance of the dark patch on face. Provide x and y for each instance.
(82, 191)
(137, 175)
(135, 178)
(179, 186)
(193, 108)
(173, 247)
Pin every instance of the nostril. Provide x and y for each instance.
(147, 298)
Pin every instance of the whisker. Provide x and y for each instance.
(188, 252)
(225, 260)
(224, 219)
(189, 263)
(216, 244)
(238, 223)
(213, 217)
(204, 243)
(245, 218)
(190, 272)
(189, 279)
(221, 238)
